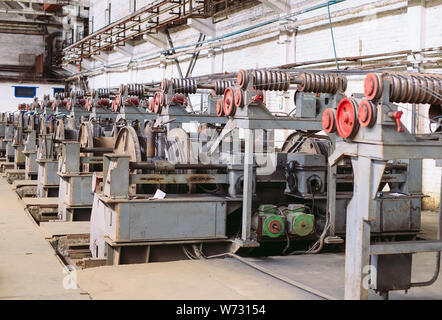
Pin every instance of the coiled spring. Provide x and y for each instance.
(79, 94)
(219, 86)
(183, 86)
(425, 88)
(60, 95)
(103, 93)
(135, 89)
(271, 80)
(320, 82)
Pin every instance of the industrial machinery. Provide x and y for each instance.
(79, 162)
(367, 128)
(205, 190)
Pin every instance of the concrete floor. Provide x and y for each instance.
(230, 279)
(29, 269)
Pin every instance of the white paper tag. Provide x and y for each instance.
(158, 195)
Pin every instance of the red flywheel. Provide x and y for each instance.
(219, 108)
(347, 121)
(329, 120)
(373, 86)
(367, 113)
(228, 102)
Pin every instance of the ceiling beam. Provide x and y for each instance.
(277, 5)
(30, 12)
(204, 26)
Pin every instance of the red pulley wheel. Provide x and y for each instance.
(157, 106)
(219, 108)
(347, 122)
(89, 104)
(228, 102)
(116, 103)
(68, 104)
(239, 98)
(150, 104)
(367, 113)
(242, 79)
(373, 86)
(329, 120)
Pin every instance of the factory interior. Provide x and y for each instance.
(208, 150)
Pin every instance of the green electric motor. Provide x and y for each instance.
(268, 223)
(299, 223)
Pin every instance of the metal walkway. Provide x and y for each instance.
(29, 268)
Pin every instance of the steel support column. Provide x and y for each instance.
(360, 211)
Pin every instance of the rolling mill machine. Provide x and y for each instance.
(200, 192)
(3, 123)
(172, 102)
(7, 127)
(367, 129)
(80, 161)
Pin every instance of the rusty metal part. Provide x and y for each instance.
(219, 86)
(127, 143)
(149, 135)
(421, 88)
(167, 166)
(269, 80)
(320, 82)
(184, 86)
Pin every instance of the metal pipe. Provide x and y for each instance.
(439, 232)
(96, 149)
(177, 166)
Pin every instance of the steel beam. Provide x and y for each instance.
(277, 5)
(406, 247)
(204, 26)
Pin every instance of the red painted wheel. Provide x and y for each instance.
(116, 103)
(242, 79)
(89, 104)
(367, 113)
(373, 86)
(228, 103)
(274, 226)
(347, 118)
(165, 83)
(157, 106)
(69, 104)
(219, 108)
(239, 98)
(329, 120)
(150, 105)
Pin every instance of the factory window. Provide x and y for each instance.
(25, 92)
(58, 90)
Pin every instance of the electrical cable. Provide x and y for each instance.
(332, 35)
